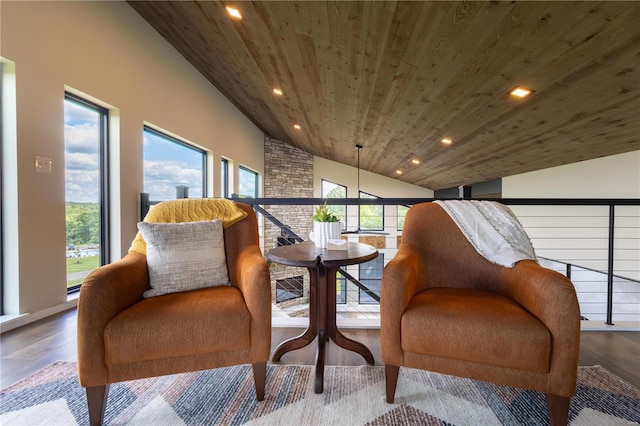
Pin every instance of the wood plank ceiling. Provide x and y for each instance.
(397, 77)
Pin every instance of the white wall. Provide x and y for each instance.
(579, 235)
(616, 176)
(108, 52)
(371, 183)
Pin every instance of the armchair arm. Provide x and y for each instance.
(551, 297)
(252, 278)
(403, 277)
(106, 292)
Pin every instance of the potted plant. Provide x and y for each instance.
(323, 214)
(325, 226)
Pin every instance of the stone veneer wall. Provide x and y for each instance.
(288, 173)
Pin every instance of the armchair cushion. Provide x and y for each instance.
(477, 326)
(184, 256)
(179, 325)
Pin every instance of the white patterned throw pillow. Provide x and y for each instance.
(184, 256)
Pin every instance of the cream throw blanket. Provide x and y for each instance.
(492, 229)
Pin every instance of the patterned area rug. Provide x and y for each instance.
(352, 396)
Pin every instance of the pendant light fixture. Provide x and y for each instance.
(359, 230)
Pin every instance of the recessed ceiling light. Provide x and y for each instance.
(297, 126)
(277, 91)
(446, 141)
(233, 12)
(415, 161)
(398, 172)
(520, 92)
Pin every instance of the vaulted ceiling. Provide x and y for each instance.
(398, 77)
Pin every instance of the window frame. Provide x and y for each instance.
(341, 219)
(256, 182)
(341, 289)
(369, 196)
(224, 176)
(183, 144)
(2, 69)
(103, 176)
(401, 226)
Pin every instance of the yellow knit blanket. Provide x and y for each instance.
(189, 210)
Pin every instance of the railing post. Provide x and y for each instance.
(612, 212)
(144, 204)
(568, 271)
(464, 192)
(182, 191)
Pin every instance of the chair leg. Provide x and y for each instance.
(97, 403)
(558, 407)
(391, 380)
(260, 378)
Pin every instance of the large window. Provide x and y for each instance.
(9, 193)
(86, 192)
(171, 165)
(371, 216)
(224, 177)
(248, 183)
(370, 276)
(341, 289)
(402, 212)
(334, 190)
(2, 84)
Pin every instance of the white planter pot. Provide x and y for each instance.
(325, 231)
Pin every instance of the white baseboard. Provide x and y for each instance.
(616, 326)
(301, 322)
(9, 322)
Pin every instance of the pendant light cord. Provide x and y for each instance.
(358, 147)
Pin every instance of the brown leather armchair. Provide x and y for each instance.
(447, 309)
(123, 336)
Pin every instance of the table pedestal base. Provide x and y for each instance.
(322, 323)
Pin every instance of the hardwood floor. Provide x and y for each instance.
(617, 351)
(25, 350)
